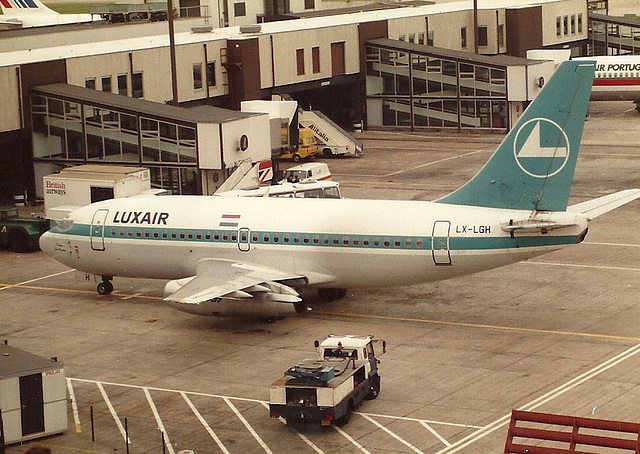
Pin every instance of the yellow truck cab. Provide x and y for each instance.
(307, 146)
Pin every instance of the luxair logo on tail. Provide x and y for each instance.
(541, 148)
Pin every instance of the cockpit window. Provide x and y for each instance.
(65, 224)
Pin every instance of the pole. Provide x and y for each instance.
(172, 51)
(475, 26)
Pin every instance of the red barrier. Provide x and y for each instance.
(546, 433)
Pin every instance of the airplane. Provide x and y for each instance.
(33, 13)
(617, 78)
(247, 256)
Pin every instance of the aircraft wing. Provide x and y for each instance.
(596, 207)
(217, 278)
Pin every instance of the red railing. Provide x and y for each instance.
(546, 433)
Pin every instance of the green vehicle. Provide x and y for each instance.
(20, 234)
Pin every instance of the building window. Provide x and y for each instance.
(300, 61)
(239, 9)
(565, 23)
(421, 38)
(136, 85)
(106, 83)
(483, 36)
(315, 58)
(430, 38)
(401, 37)
(309, 4)
(211, 74)
(501, 35)
(463, 37)
(579, 23)
(558, 26)
(412, 37)
(337, 58)
(122, 85)
(197, 76)
(90, 83)
(573, 24)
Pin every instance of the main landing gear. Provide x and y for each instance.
(105, 287)
(331, 294)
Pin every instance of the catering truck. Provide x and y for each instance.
(327, 389)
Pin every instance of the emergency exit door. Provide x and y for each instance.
(440, 243)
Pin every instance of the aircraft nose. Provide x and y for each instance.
(46, 243)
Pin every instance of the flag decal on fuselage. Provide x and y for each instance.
(541, 148)
(229, 220)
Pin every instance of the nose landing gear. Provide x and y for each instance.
(105, 287)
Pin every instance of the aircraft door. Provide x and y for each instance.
(440, 243)
(244, 241)
(97, 229)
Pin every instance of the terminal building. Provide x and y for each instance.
(414, 66)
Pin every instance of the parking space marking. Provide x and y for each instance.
(74, 406)
(156, 415)
(536, 403)
(22, 284)
(319, 313)
(351, 439)
(248, 426)
(113, 413)
(578, 265)
(204, 423)
(393, 434)
(410, 169)
(302, 436)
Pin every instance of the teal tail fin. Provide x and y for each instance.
(533, 167)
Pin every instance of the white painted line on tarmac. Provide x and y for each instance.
(426, 421)
(156, 415)
(248, 426)
(599, 243)
(74, 406)
(426, 164)
(35, 280)
(393, 434)
(436, 434)
(577, 265)
(113, 413)
(204, 423)
(582, 378)
(351, 439)
(309, 443)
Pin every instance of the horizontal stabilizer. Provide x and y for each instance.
(596, 207)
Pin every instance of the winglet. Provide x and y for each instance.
(533, 167)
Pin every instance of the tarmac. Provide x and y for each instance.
(556, 334)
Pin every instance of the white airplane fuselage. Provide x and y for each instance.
(334, 243)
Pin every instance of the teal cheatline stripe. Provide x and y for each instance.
(322, 240)
(533, 167)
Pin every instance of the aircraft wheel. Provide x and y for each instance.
(105, 287)
(374, 388)
(331, 294)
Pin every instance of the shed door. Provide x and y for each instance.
(97, 229)
(440, 243)
(32, 404)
